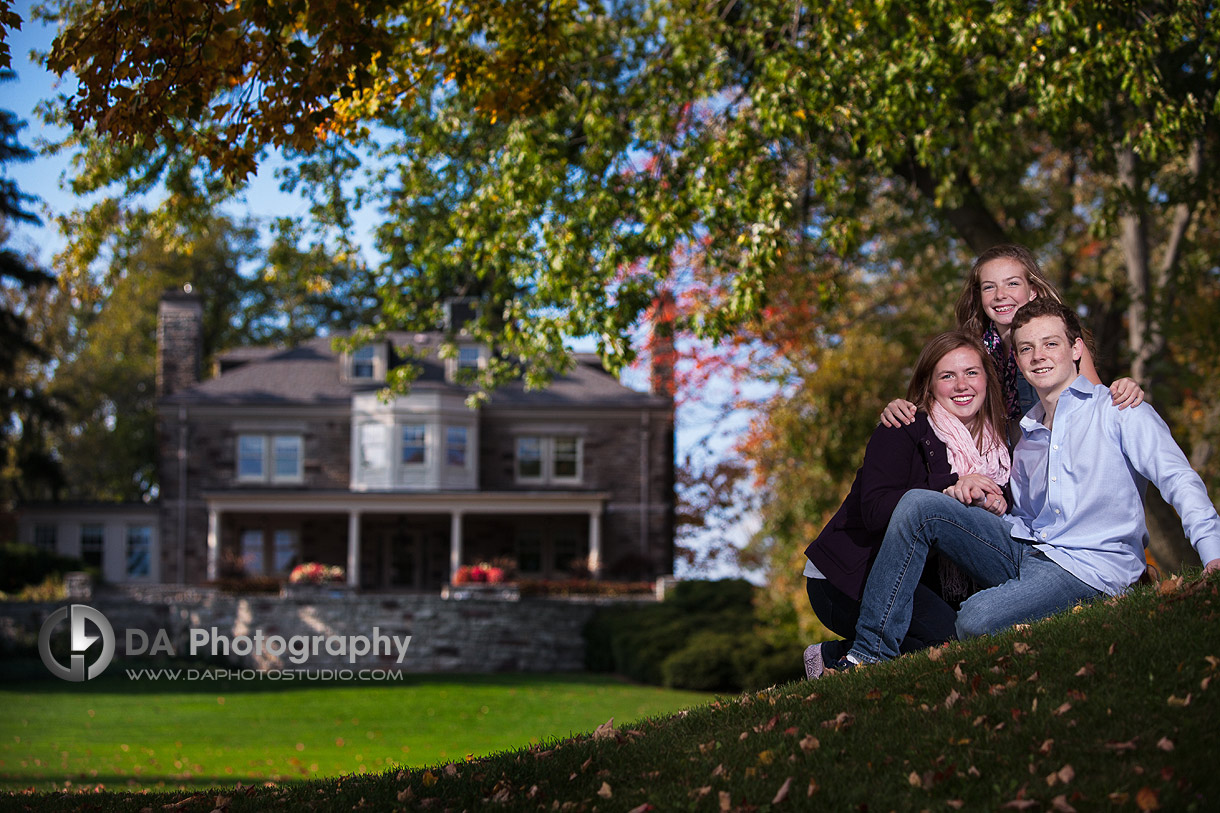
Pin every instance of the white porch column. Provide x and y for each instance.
(595, 543)
(213, 544)
(353, 548)
(455, 544)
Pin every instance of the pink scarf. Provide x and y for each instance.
(964, 455)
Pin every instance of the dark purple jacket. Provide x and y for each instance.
(896, 461)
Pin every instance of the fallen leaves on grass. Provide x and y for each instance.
(782, 793)
(605, 730)
(1180, 702)
(810, 743)
(840, 721)
(1064, 775)
(604, 791)
(1165, 744)
(1147, 799)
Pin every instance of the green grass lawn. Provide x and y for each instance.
(122, 734)
(1111, 707)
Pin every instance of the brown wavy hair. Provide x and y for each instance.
(919, 391)
(970, 314)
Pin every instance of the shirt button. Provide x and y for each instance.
(1044, 534)
(1056, 446)
(1056, 510)
(1054, 479)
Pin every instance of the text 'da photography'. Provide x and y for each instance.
(78, 643)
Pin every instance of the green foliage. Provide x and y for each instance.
(24, 565)
(705, 636)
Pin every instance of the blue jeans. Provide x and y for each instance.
(1023, 584)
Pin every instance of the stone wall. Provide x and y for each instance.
(472, 635)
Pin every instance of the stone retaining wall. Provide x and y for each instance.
(474, 635)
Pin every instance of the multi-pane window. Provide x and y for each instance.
(139, 551)
(252, 552)
(92, 541)
(362, 362)
(46, 537)
(414, 448)
(455, 446)
(373, 446)
(468, 358)
(285, 550)
(554, 459)
(274, 458)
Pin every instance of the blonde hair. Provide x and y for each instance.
(970, 314)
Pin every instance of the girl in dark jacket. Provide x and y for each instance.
(956, 445)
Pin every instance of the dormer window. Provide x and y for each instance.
(469, 357)
(363, 363)
(367, 363)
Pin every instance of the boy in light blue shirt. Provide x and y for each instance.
(1076, 528)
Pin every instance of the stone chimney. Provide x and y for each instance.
(179, 341)
(661, 346)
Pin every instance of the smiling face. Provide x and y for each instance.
(1045, 355)
(959, 383)
(1003, 287)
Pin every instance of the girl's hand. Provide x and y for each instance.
(1125, 392)
(980, 490)
(901, 413)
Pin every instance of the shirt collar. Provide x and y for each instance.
(1082, 388)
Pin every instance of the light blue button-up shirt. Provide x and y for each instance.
(1078, 487)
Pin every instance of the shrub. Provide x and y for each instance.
(23, 565)
(704, 635)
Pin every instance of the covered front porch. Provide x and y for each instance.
(404, 541)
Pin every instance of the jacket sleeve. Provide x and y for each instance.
(896, 461)
(892, 466)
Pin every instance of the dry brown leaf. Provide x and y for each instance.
(1180, 702)
(1086, 670)
(782, 793)
(1060, 805)
(1121, 747)
(913, 779)
(813, 787)
(726, 801)
(699, 793)
(1064, 709)
(959, 674)
(405, 794)
(1168, 587)
(956, 804)
(1165, 744)
(1045, 747)
(952, 699)
(1147, 799)
(605, 730)
(718, 770)
(706, 747)
(810, 743)
(451, 770)
(1021, 804)
(604, 791)
(1020, 648)
(644, 808)
(840, 721)
(1066, 774)
(935, 653)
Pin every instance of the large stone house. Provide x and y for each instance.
(286, 455)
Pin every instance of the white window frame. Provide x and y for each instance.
(451, 446)
(362, 356)
(423, 444)
(133, 539)
(374, 451)
(548, 451)
(93, 541)
(269, 458)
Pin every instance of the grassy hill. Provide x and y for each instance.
(1113, 706)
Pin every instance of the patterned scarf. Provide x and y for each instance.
(964, 455)
(1006, 363)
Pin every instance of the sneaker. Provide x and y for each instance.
(844, 664)
(813, 662)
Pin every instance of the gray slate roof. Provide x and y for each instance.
(311, 374)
